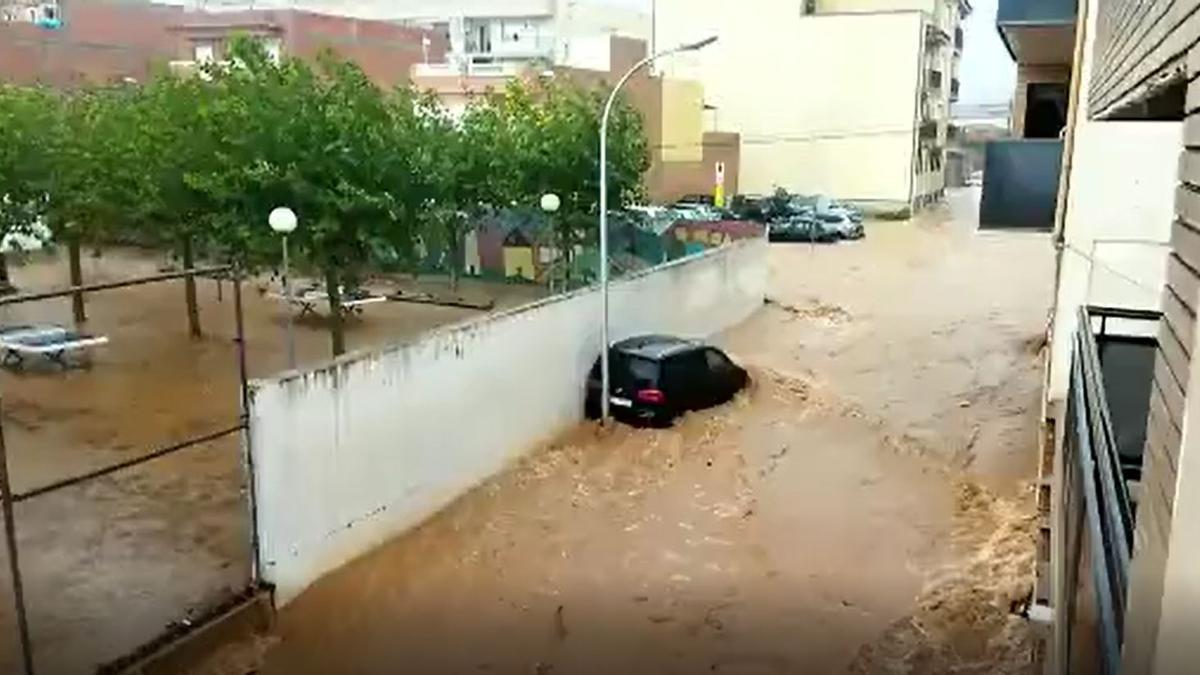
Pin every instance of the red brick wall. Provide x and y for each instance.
(100, 42)
(385, 51)
(103, 42)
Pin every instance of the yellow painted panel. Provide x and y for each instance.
(682, 121)
(518, 262)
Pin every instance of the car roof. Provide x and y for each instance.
(656, 347)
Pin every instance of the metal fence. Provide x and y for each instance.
(75, 491)
(1097, 517)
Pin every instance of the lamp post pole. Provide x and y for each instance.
(605, 380)
(283, 221)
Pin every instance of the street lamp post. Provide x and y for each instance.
(283, 221)
(612, 98)
(550, 204)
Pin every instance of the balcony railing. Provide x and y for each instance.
(1098, 516)
(934, 35)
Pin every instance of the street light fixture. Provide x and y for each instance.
(612, 98)
(550, 205)
(283, 221)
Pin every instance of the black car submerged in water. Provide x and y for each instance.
(656, 378)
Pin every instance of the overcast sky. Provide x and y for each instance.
(987, 73)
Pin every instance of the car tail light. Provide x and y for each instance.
(651, 396)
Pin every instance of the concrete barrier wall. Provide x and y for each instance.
(355, 453)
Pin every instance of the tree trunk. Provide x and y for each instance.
(189, 290)
(337, 328)
(76, 268)
(5, 281)
(455, 247)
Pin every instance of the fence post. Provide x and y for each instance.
(14, 564)
(247, 454)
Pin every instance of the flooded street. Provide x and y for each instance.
(865, 506)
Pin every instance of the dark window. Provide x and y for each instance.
(644, 371)
(809, 7)
(717, 363)
(1045, 109)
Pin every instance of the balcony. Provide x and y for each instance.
(500, 69)
(928, 129)
(935, 36)
(1020, 184)
(1038, 32)
(1107, 408)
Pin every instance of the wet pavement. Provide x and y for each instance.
(863, 506)
(108, 564)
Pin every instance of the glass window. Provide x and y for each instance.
(716, 361)
(204, 52)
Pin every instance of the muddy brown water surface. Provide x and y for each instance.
(864, 507)
(110, 563)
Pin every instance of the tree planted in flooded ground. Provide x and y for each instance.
(321, 140)
(177, 145)
(24, 115)
(94, 171)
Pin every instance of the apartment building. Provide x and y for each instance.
(1120, 581)
(845, 97)
(486, 37)
(386, 51)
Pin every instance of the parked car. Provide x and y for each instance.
(656, 378)
(843, 225)
(802, 229)
(706, 200)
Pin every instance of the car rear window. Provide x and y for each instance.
(643, 371)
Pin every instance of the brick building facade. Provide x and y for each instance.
(102, 41)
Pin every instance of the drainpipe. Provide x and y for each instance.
(1058, 594)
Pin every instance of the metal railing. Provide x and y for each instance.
(1097, 516)
(10, 497)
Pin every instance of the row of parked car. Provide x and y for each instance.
(788, 217)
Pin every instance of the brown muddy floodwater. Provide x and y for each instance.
(110, 563)
(863, 507)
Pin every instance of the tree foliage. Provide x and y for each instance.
(195, 164)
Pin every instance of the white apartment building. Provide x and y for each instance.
(849, 98)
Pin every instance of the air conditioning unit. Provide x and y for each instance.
(44, 14)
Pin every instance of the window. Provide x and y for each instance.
(204, 52)
(717, 363)
(808, 8)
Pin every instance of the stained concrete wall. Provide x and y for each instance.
(353, 454)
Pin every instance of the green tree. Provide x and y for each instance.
(25, 121)
(557, 129)
(321, 140)
(175, 143)
(94, 171)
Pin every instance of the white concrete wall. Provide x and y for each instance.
(353, 454)
(1118, 226)
(824, 103)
